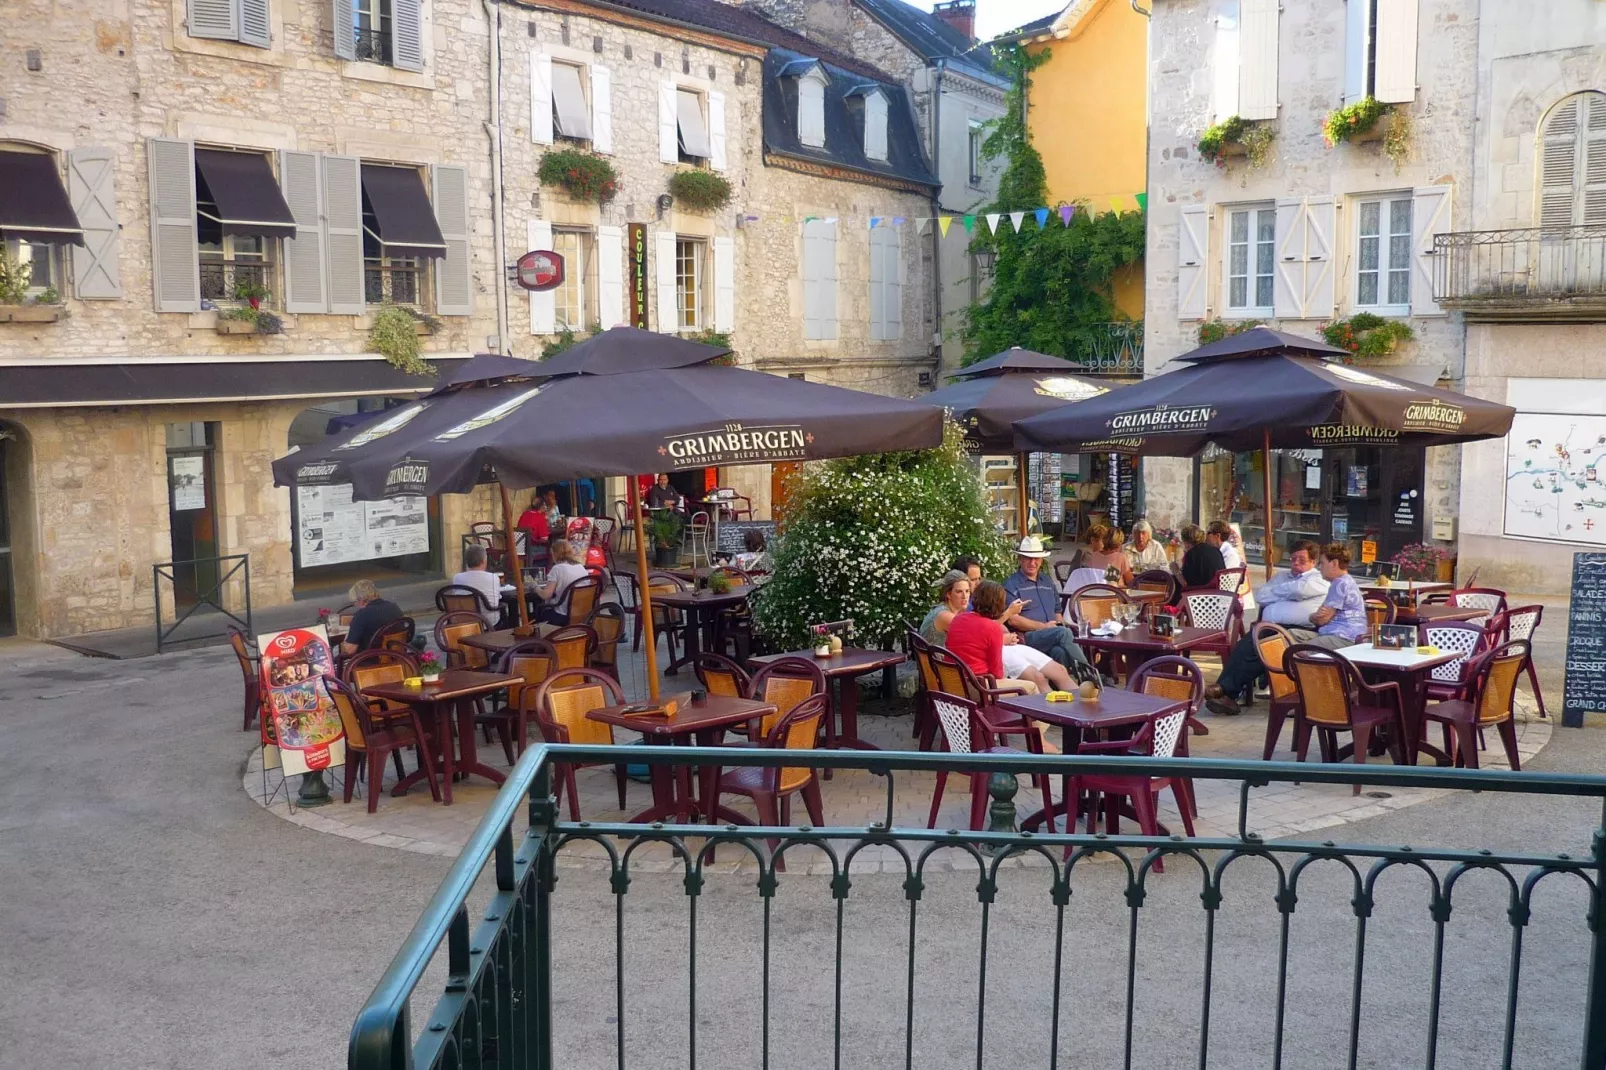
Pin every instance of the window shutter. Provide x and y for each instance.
(668, 307)
(1288, 270)
(878, 287)
(454, 273)
(724, 285)
(91, 183)
(668, 124)
(1192, 246)
(716, 131)
(875, 126)
(610, 276)
(601, 109)
(541, 98)
(1357, 47)
(543, 304)
(1224, 66)
(811, 281)
(1430, 215)
(216, 19)
(1594, 206)
(1320, 214)
(811, 111)
(175, 270)
(304, 283)
(1396, 51)
(1558, 164)
(407, 35)
(1257, 42)
(893, 281)
(828, 278)
(254, 26)
(342, 208)
(345, 30)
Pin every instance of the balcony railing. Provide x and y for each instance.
(374, 46)
(1112, 349)
(871, 977)
(1533, 273)
(219, 277)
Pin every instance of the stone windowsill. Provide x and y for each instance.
(367, 71)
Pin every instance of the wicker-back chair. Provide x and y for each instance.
(396, 635)
(1163, 736)
(1095, 603)
(721, 676)
(580, 598)
(1521, 622)
(575, 644)
(251, 670)
(1272, 641)
(607, 623)
(450, 631)
(460, 598)
(666, 623)
(532, 661)
(1158, 580)
(1491, 703)
(1333, 698)
(370, 668)
(560, 706)
(783, 684)
(1450, 680)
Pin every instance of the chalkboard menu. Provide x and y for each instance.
(733, 534)
(1586, 641)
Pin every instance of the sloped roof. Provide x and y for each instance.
(931, 38)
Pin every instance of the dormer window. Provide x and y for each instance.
(811, 108)
(875, 124)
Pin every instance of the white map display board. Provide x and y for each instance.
(1556, 477)
(335, 529)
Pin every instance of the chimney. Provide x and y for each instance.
(960, 14)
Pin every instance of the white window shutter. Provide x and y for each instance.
(811, 110)
(407, 35)
(175, 268)
(541, 98)
(454, 273)
(716, 131)
(215, 19)
(543, 304)
(1288, 268)
(1430, 215)
(1257, 43)
(668, 307)
(91, 183)
(875, 126)
(811, 281)
(1224, 66)
(1193, 245)
(601, 109)
(1357, 47)
(724, 285)
(668, 124)
(1396, 51)
(878, 287)
(344, 22)
(254, 26)
(610, 276)
(828, 279)
(342, 209)
(1594, 170)
(1558, 163)
(1320, 214)
(305, 288)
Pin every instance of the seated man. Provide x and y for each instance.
(1290, 599)
(373, 613)
(1339, 622)
(1035, 613)
(969, 566)
(475, 576)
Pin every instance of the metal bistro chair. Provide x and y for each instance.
(695, 540)
(1333, 698)
(627, 528)
(1492, 690)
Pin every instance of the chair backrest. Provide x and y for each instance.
(659, 583)
(1062, 572)
(396, 635)
(450, 631)
(699, 524)
(1170, 677)
(1272, 641)
(1156, 579)
(721, 676)
(369, 668)
(961, 723)
(1522, 622)
(1495, 681)
(482, 527)
(575, 644)
(607, 622)
(1453, 636)
(582, 596)
(922, 654)
(457, 598)
(1082, 577)
(564, 699)
(1209, 608)
(953, 676)
(797, 729)
(1379, 611)
(1230, 579)
(1095, 602)
(1324, 683)
(604, 529)
(1485, 598)
(242, 653)
(1166, 732)
(783, 684)
(344, 614)
(355, 716)
(628, 588)
(532, 660)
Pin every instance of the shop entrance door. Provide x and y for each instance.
(192, 510)
(8, 601)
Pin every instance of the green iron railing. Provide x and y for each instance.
(495, 1009)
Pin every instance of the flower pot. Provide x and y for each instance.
(30, 313)
(1234, 148)
(431, 678)
(422, 329)
(664, 556)
(822, 650)
(236, 327)
(1371, 135)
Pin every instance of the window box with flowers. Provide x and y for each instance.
(699, 191)
(1370, 121)
(582, 175)
(1237, 137)
(1366, 334)
(1216, 330)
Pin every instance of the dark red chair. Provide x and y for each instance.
(1519, 625)
(251, 670)
(370, 740)
(1180, 680)
(1492, 679)
(771, 789)
(1333, 698)
(963, 730)
(1164, 736)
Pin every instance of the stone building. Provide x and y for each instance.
(1311, 234)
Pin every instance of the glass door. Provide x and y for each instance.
(192, 511)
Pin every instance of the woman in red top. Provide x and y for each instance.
(534, 520)
(976, 637)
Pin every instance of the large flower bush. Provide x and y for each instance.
(867, 539)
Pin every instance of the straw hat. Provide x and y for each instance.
(1031, 546)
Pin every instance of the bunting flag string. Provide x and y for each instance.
(994, 221)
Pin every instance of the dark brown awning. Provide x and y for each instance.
(145, 382)
(33, 202)
(404, 221)
(246, 194)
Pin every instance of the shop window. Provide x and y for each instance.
(1250, 262)
(690, 276)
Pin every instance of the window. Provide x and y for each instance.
(1383, 255)
(689, 284)
(692, 126)
(374, 25)
(886, 285)
(245, 21)
(397, 280)
(569, 309)
(239, 214)
(1380, 50)
(811, 109)
(1251, 243)
(875, 125)
(973, 154)
(1572, 168)
(1244, 60)
(39, 264)
(390, 32)
(571, 117)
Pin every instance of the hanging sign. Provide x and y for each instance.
(540, 270)
(637, 260)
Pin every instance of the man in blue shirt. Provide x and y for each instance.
(1341, 621)
(1035, 613)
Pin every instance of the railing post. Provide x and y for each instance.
(544, 812)
(1595, 1002)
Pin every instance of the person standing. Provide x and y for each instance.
(1037, 618)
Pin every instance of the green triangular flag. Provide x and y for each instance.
(1143, 201)
(970, 224)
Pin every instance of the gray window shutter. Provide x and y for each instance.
(342, 209)
(454, 274)
(175, 271)
(254, 23)
(345, 30)
(304, 289)
(407, 35)
(219, 19)
(91, 175)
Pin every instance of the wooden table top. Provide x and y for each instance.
(1137, 638)
(1366, 656)
(702, 599)
(713, 712)
(499, 641)
(853, 661)
(1115, 706)
(1434, 614)
(454, 684)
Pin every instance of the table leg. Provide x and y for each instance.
(690, 642)
(1413, 697)
(468, 740)
(849, 708)
(448, 753)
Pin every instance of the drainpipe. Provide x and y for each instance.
(936, 210)
(1141, 11)
(493, 128)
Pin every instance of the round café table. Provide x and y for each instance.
(454, 692)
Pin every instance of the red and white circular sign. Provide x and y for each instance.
(540, 269)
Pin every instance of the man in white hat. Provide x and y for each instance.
(1038, 620)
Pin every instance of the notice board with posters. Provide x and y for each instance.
(332, 529)
(1586, 641)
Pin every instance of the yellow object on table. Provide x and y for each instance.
(1428, 651)
(1059, 696)
(413, 681)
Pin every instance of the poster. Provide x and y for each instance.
(188, 479)
(333, 529)
(301, 727)
(1555, 486)
(1355, 481)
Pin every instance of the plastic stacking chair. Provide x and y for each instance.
(964, 731)
(1333, 698)
(370, 740)
(1492, 690)
(1160, 737)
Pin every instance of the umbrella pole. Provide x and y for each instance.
(513, 553)
(1023, 506)
(643, 596)
(1265, 475)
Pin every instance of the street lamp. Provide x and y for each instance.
(986, 257)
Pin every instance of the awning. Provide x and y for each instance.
(693, 131)
(569, 102)
(246, 194)
(33, 202)
(404, 221)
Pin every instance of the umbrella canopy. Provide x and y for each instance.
(485, 368)
(988, 404)
(629, 349)
(1261, 342)
(1014, 359)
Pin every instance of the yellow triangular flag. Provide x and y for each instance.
(943, 223)
(1115, 204)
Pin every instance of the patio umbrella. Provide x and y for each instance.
(992, 394)
(1264, 390)
(606, 419)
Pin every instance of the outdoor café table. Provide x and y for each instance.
(1437, 614)
(1413, 590)
(1410, 670)
(1134, 645)
(701, 723)
(497, 643)
(701, 609)
(1115, 708)
(841, 670)
(457, 689)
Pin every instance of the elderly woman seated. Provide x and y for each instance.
(1104, 552)
(980, 631)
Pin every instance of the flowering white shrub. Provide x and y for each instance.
(867, 538)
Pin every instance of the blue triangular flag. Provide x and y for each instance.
(1042, 218)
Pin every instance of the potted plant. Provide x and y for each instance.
(252, 293)
(719, 583)
(580, 174)
(15, 305)
(1419, 561)
(822, 641)
(664, 529)
(1354, 122)
(236, 321)
(1366, 334)
(1236, 137)
(394, 334)
(699, 191)
(429, 668)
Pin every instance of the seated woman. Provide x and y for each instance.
(1020, 660)
(754, 557)
(564, 571)
(977, 638)
(1104, 550)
